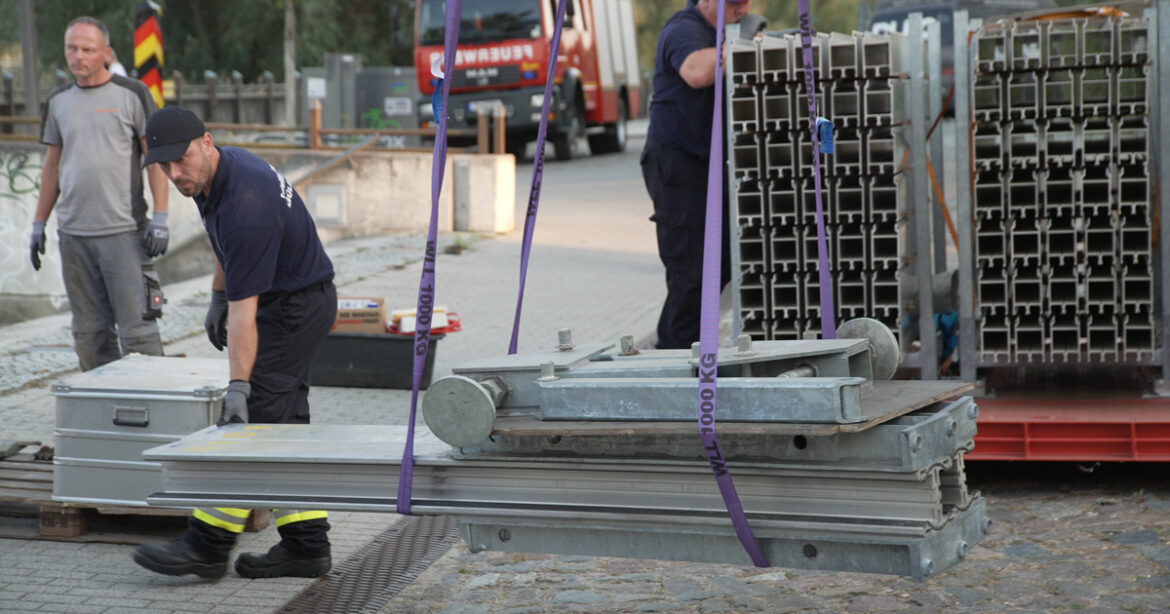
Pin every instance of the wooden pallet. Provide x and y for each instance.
(26, 489)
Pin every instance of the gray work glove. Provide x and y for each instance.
(750, 25)
(156, 236)
(36, 244)
(235, 404)
(216, 321)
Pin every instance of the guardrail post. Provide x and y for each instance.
(315, 125)
(500, 120)
(269, 97)
(238, 87)
(9, 106)
(177, 78)
(300, 98)
(212, 81)
(481, 132)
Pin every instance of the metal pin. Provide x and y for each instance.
(548, 372)
(564, 339)
(743, 345)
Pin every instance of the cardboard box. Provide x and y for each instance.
(360, 315)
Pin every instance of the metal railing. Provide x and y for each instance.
(488, 134)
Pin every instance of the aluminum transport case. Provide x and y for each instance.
(106, 418)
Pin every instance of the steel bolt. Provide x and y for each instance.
(548, 372)
(987, 526)
(927, 567)
(743, 345)
(951, 427)
(505, 535)
(564, 339)
(496, 389)
(916, 442)
(973, 411)
(695, 350)
(962, 550)
(627, 345)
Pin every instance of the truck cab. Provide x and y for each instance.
(502, 62)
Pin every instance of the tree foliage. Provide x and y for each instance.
(247, 35)
(229, 35)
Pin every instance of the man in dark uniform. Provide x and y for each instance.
(675, 160)
(273, 302)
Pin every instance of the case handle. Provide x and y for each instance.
(131, 416)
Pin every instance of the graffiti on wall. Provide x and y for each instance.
(20, 178)
(20, 182)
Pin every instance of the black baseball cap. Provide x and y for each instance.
(169, 133)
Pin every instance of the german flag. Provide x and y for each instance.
(148, 48)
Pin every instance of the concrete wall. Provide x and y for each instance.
(371, 193)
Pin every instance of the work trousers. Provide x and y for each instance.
(677, 183)
(107, 295)
(291, 328)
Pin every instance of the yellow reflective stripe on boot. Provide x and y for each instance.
(227, 518)
(284, 517)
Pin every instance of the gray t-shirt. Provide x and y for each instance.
(99, 130)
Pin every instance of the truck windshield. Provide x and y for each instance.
(482, 21)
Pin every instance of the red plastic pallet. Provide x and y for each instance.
(1073, 430)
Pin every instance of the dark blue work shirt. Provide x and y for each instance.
(261, 232)
(680, 115)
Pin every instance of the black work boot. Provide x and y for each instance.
(180, 558)
(279, 562)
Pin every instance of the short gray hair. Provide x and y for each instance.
(95, 22)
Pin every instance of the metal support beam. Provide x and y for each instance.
(968, 356)
(919, 202)
(732, 221)
(1161, 53)
(934, 71)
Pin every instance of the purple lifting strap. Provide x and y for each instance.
(426, 284)
(709, 321)
(828, 327)
(537, 171)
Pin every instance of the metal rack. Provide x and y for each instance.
(1059, 246)
(873, 87)
(1059, 259)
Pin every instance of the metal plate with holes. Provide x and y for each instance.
(372, 577)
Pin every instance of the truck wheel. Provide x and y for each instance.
(614, 139)
(565, 143)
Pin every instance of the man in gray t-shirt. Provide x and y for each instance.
(94, 129)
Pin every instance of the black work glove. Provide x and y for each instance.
(156, 236)
(36, 244)
(750, 25)
(235, 404)
(216, 321)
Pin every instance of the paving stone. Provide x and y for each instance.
(1144, 536)
(1031, 551)
(578, 597)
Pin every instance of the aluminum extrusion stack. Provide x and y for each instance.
(859, 88)
(1064, 256)
(591, 449)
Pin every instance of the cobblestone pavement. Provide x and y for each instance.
(1063, 541)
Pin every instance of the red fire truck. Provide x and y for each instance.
(502, 61)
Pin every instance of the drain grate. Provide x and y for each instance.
(372, 577)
